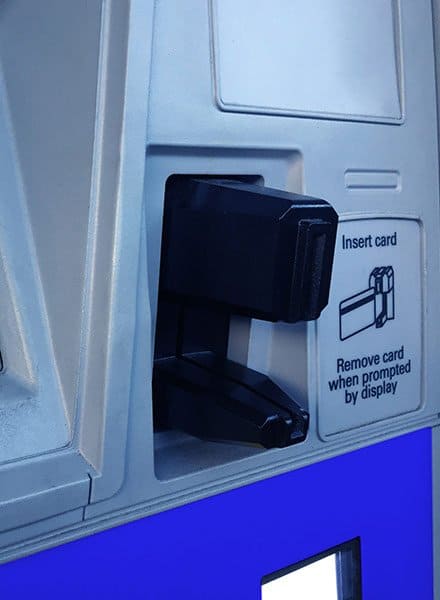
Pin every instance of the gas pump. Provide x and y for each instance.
(220, 277)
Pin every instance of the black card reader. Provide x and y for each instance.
(233, 248)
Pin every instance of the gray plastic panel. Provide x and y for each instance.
(55, 48)
(436, 508)
(360, 169)
(15, 540)
(32, 412)
(61, 121)
(309, 59)
(36, 489)
(116, 222)
(436, 431)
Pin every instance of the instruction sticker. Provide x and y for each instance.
(370, 334)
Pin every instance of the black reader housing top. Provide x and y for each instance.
(258, 251)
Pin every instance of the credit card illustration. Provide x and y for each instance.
(373, 306)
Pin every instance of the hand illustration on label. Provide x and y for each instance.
(372, 306)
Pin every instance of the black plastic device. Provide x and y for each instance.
(234, 248)
(257, 251)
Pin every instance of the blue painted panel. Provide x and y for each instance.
(219, 548)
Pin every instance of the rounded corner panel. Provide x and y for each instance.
(333, 71)
(370, 361)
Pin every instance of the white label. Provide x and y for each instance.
(316, 581)
(370, 334)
